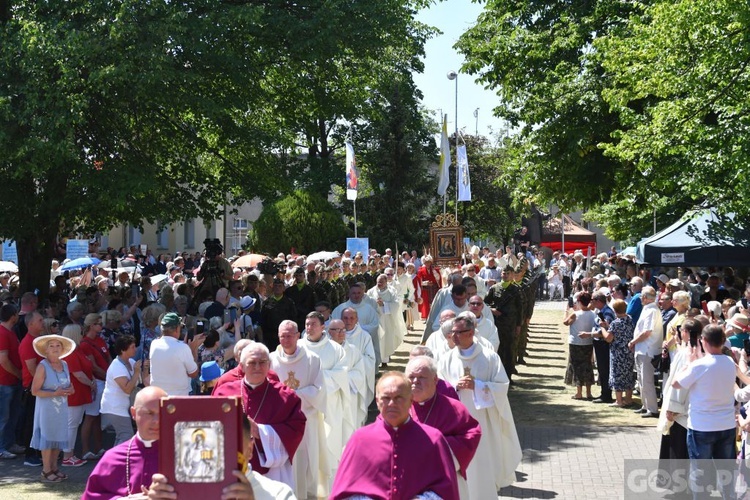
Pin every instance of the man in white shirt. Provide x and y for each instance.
(711, 420)
(173, 362)
(646, 343)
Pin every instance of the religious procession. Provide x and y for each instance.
(304, 343)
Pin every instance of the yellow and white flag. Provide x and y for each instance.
(445, 159)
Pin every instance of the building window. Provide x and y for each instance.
(210, 230)
(134, 236)
(189, 233)
(162, 235)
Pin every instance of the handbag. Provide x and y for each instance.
(662, 362)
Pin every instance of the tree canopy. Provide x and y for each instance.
(302, 221)
(626, 110)
(123, 111)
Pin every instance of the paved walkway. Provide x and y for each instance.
(584, 462)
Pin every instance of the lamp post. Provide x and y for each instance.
(452, 75)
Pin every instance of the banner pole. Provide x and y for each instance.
(355, 218)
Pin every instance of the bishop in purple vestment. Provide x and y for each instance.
(396, 458)
(447, 415)
(128, 466)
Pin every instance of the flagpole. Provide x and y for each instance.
(454, 76)
(355, 218)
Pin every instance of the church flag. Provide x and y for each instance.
(445, 159)
(352, 178)
(464, 183)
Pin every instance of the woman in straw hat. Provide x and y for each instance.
(82, 375)
(51, 387)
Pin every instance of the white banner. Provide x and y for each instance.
(673, 258)
(464, 182)
(445, 159)
(352, 176)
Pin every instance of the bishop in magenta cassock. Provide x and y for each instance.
(447, 415)
(276, 412)
(442, 386)
(128, 466)
(396, 458)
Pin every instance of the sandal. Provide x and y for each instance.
(577, 398)
(61, 475)
(50, 477)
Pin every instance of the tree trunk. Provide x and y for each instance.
(35, 255)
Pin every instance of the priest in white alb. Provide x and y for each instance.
(442, 298)
(300, 370)
(360, 339)
(392, 324)
(333, 363)
(485, 324)
(482, 385)
(367, 313)
(441, 340)
(356, 372)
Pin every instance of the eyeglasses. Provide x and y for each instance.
(476, 303)
(336, 329)
(461, 332)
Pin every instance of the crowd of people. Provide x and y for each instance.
(681, 340)
(302, 346)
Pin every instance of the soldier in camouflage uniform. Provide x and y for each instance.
(504, 299)
(322, 286)
(339, 288)
(528, 283)
(371, 275)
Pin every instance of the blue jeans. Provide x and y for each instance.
(704, 445)
(710, 445)
(10, 411)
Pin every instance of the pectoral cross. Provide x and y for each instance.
(291, 382)
(467, 372)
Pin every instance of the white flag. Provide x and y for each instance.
(445, 159)
(464, 183)
(352, 177)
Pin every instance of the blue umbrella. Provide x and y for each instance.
(80, 263)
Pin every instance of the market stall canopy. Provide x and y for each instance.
(700, 238)
(576, 237)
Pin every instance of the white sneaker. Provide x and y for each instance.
(89, 456)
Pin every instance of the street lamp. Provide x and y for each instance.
(452, 75)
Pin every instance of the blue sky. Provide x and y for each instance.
(453, 17)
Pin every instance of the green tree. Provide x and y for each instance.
(303, 221)
(120, 111)
(679, 84)
(542, 58)
(393, 150)
(105, 117)
(317, 94)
